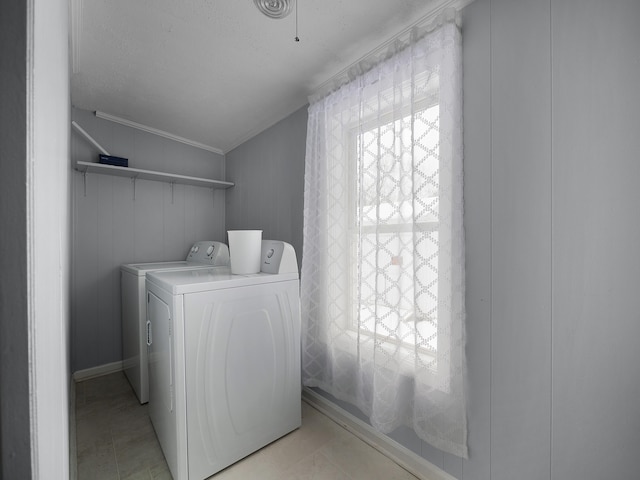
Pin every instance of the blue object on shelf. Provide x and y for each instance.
(111, 160)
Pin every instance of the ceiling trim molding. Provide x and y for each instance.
(155, 131)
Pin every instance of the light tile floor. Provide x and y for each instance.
(115, 440)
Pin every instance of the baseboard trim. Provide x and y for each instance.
(410, 461)
(98, 371)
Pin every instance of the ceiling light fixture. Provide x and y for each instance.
(278, 9)
(275, 8)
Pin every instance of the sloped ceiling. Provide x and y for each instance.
(218, 72)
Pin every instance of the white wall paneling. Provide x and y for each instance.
(521, 240)
(476, 49)
(107, 311)
(111, 227)
(84, 291)
(596, 227)
(551, 113)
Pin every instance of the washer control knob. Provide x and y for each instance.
(270, 253)
(210, 250)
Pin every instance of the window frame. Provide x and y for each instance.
(436, 366)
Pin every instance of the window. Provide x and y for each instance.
(394, 239)
(382, 286)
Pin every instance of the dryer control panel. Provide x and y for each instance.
(209, 252)
(278, 257)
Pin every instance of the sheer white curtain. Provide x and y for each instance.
(382, 284)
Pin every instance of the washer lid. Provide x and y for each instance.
(140, 269)
(200, 280)
(205, 254)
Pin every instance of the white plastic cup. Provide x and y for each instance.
(245, 250)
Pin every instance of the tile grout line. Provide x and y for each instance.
(328, 459)
(113, 447)
(115, 457)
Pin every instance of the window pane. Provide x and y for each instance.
(397, 240)
(398, 176)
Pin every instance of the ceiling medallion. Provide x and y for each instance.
(275, 8)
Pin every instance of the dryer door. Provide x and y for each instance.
(242, 348)
(161, 378)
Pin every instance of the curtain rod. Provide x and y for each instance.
(440, 7)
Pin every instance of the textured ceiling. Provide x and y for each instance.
(218, 72)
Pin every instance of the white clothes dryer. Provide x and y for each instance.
(224, 361)
(204, 254)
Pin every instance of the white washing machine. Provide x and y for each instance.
(204, 254)
(224, 361)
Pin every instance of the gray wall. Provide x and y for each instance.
(595, 225)
(15, 448)
(551, 115)
(110, 227)
(520, 239)
(564, 112)
(268, 171)
(476, 48)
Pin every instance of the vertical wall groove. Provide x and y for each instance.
(491, 360)
(551, 242)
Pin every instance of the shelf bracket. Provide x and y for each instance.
(133, 181)
(83, 132)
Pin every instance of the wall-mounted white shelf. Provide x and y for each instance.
(91, 167)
